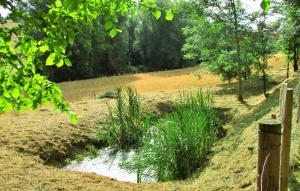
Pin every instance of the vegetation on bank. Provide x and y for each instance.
(169, 148)
(125, 123)
(178, 143)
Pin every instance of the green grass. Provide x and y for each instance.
(125, 123)
(178, 143)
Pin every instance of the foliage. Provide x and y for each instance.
(22, 87)
(133, 50)
(209, 43)
(125, 123)
(219, 43)
(265, 5)
(290, 34)
(175, 146)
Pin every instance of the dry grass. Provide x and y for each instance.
(28, 140)
(173, 80)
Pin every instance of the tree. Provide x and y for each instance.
(290, 38)
(217, 37)
(22, 87)
(208, 43)
(263, 47)
(159, 42)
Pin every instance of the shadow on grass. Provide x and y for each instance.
(253, 87)
(256, 114)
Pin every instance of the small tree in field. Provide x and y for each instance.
(207, 43)
(217, 39)
(265, 45)
(262, 45)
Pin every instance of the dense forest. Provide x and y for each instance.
(144, 43)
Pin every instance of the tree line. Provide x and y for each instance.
(145, 42)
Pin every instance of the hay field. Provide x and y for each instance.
(30, 140)
(169, 81)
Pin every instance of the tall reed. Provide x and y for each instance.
(125, 124)
(178, 143)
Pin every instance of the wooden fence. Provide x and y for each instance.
(274, 145)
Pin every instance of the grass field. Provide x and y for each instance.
(30, 142)
(173, 80)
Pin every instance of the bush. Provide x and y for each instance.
(178, 144)
(125, 124)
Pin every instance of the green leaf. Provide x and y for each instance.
(169, 15)
(73, 117)
(265, 5)
(58, 3)
(74, 15)
(68, 3)
(67, 62)
(113, 32)
(44, 48)
(157, 14)
(6, 94)
(15, 93)
(60, 63)
(50, 59)
(108, 25)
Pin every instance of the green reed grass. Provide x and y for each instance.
(125, 124)
(178, 143)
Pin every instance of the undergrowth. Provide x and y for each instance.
(172, 147)
(125, 123)
(176, 145)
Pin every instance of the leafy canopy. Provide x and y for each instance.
(21, 86)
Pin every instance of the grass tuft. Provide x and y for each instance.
(178, 143)
(125, 124)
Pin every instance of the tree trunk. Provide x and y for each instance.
(130, 42)
(295, 58)
(265, 83)
(288, 66)
(245, 75)
(237, 40)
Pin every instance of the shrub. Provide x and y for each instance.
(125, 125)
(178, 143)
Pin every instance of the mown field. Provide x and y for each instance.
(31, 142)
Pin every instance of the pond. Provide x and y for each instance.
(108, 163)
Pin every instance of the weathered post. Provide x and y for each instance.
(298, 103)
(269, 140)
(282, 99)
(286, 139)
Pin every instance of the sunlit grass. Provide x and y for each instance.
(125, 123)
(176, 145)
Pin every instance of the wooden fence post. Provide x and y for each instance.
(269, 141)
(282, 99)
(286, 139)
(298, 103)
